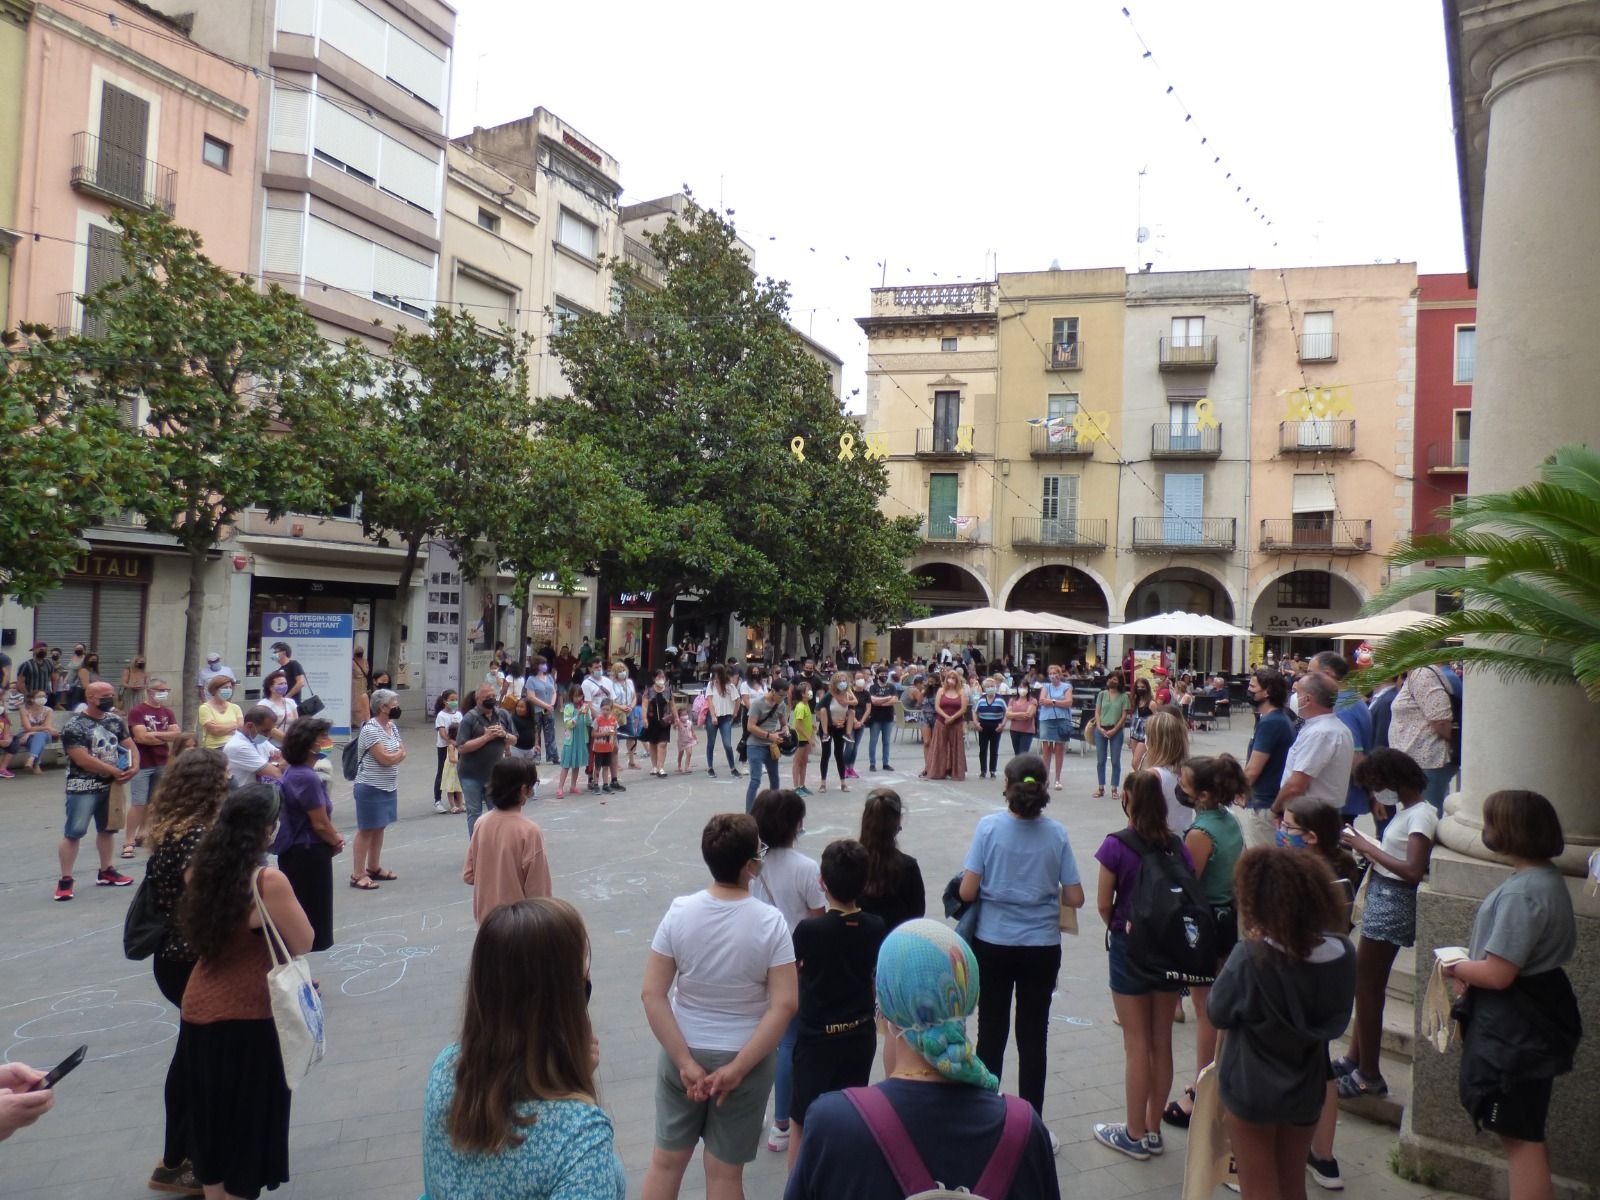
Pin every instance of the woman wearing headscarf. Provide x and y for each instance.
(946, 1102)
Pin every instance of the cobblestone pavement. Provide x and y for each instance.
(393, 985)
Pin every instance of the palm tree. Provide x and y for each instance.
(1530, 591)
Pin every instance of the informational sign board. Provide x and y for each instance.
(442, 661)
(321, 643)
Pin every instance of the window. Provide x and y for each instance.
(943, 490)
(1188, 332)
(564, 312)
(947, 343)
(578, 235)
(105, 266)
(1305, 589)
(1183, 430)
(1455, 499)
(1466, 352)
(215, 152)
(488, 304)
(1316, 337)
(488, 220)
(946, 420)
(1064, 331)
(1182, 508)
(1313, 506)
(1059, 503)
(1063, 405)
(119, 156)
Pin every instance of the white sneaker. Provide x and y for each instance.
(777, 1139)
(438, 806)
(1055, 1144)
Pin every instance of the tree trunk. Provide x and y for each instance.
(525, 594)
(194, 613)
(665, 598)
(397, 612)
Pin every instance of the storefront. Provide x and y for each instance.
(631, 633)
(103, 603)
(555, 619)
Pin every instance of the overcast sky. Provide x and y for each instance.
(945, 137)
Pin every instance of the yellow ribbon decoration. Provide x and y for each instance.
(1203, 415)
(847, 442)
(797, 447)
(1091, 426)
(877, 446)
(1299, 406)
(1338, 400)
(963, 439)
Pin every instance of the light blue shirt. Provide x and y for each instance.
(1023, 865)
(543, 687)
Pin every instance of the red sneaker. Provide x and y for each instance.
(64, 888)
(111, 877)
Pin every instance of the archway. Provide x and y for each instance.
(1183, 589)
(1066, 591)
(946, 588)
(1303, 599)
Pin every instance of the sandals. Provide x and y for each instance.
(1343, 1065)
(1173, 1114)
(1098, 792)
(362, 883)
(1355, 1085)
(127, 852)
(381, 873)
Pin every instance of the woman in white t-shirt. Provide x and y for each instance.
(792, 884)
(275, 695)
(446, 716)
(1389, 921)
(732, 960)
(1166, 746)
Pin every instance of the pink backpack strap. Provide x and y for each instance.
(889, 1131)
(995, 1183)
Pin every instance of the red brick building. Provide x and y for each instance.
(1446, 357)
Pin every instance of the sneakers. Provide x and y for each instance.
(617, 787)
(180, 1180)
(1116, 1137)
(735, 772)
(111, 877)
(64, 888)
(1154, 1144)
(1055, 1145)
(5, 773)
(438, 806)
(1324, 1172)
(850, 773)
(606, 789)
(777, 1139)
(802, 791)
(711, 771)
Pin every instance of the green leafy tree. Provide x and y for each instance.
(437, 440)
(1530, 591)
(225, 385)
(694, 391)
(67, 454)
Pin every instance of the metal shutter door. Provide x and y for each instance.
(338, 258)
(416, 68)
(105, 266)
(486, 303)
(355, 31)
(340, 135)
(409, 175)
(283, 231)
(65, 616)
(124, 128)
(1184, 500)
(119, 631)
(289, 120)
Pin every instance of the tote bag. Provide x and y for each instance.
(296, 1007)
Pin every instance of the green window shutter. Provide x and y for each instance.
(943, 492)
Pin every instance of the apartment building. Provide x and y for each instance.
(1333, 440)
(14, 16)
(122, 113)
(1447, 356)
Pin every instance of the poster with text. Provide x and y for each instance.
(321, 643)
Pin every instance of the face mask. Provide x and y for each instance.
(1291, 840)
(990, 692)
(452, 705)
(394, 713)
(280, 689)
(225, 693)
(488, 703)
(661, 687)
(258, 738)
(160, 697)
(104, 704)
(39, 700)
(543, 668)
(841, 686)
(38, 654)
(140, 664)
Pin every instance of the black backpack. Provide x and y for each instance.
(1455, 717)
(1172, 932)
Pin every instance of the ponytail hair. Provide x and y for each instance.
(1221, 777)
(1026, 786)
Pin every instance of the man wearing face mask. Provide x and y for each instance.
(481, 741)
(210, 671)
(99, 752)
(880, 722)
(541, 693)
(37, 674)
(252, 758)
(155, 729)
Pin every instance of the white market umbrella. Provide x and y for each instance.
(1052, 623)
(1180, 625)
(1369, 628)
(1016, 621)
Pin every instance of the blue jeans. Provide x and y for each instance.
(1102, 744)
(473, 795)
(761, 754)
(36, 744)
(1020, 742)
(782, 1086)
(544, 734)
(1438, 786)
(723, 726)
(879, 731)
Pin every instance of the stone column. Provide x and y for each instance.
(1527, 75)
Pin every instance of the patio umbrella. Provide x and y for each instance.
(1181, 625)
(1002, 619)
(1052, 623)
(1369, 628)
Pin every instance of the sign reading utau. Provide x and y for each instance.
(321, 643)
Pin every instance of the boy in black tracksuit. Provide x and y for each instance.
(837, 955)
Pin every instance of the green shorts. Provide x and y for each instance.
(732, 1130)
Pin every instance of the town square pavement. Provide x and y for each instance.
(393, 984)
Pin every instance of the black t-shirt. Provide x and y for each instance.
(863, 702)
(954, 1127)
(907, 898)
(527, 730)
(883, 714)
(292, 670)
(837, 955)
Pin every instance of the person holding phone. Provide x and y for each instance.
(19, 1105)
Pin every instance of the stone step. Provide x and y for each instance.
(1387, 1109)
(1403, 982)
(1399, 1030)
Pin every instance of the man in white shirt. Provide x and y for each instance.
(1319, 762)
(251, 756)
(214, 667)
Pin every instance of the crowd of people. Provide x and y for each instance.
(772, 990)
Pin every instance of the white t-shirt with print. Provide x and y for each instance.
(791, 883)
(723, 950)
(1419, 818)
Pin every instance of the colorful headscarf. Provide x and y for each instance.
(927, 987)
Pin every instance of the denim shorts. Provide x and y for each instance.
(1055, 730)
(83, 805)
(1123, 980)
(1391, 912)
(375, 808)
(143, 785)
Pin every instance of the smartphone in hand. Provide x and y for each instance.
(61, 1070)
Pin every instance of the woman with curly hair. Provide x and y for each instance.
(1285, 991)
(183, 807)
(239, 1103)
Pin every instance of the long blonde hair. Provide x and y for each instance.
(1166, 741)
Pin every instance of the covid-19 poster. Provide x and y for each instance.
(321, 643)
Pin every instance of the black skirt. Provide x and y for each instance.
(239, 1105)
(310, 873)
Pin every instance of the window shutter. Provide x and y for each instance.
(394, 274)
(338, 258)
(1069, 499)
(409, 175)
(943, 491)
(345, 137)
(106, 266)
(66, 615)
(1183, 498)
(355, 31)
(124, 126)
(297, 16)
(289, 111)
(119, 632)
(415, 68)
(1313, 493)
(487, 303)
(282, 238)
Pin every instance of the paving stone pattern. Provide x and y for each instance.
(393, 985)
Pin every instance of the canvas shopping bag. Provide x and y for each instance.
(296, 1007)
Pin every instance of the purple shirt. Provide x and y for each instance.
(1124, 864)
(300, 791)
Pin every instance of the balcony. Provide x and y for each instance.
(1057, 441)
(1066, 356)
(940, 441)
(1319, 347)
(1193, 353)
(1316, 437)
(1057, 534)
(1167, 442)
(122, 176)
(1184, 535)
(642, 259)
(1315, 534)
(69, 314)
(1451, 457)
(964, 531)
